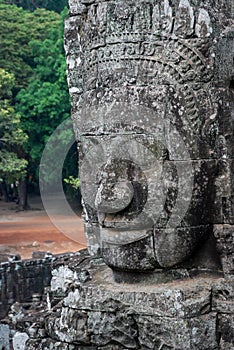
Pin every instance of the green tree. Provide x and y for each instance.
(17, 29)
(44, 103)
(13, 166)
(31, 5)
(32, 49)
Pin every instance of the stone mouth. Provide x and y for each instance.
(121, 237)
(124, 225)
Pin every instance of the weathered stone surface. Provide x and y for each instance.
(19, 341)
(21, 279)
(98, 313)
(180, 299)
(71, 327)
(151, 84)
(224, 235)
(226, 331)
(92, 231)
(44, 344)
(223, 297)
(156, 333)
(4, 337)
(152, 97)
(89, 310)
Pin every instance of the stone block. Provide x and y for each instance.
(224, 235)
(188, 334)
(226, 331)
(4, 337)
(223, 297)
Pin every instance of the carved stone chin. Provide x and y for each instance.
(152, 114)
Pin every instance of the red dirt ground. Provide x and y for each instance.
(31, 231)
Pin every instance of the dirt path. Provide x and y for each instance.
(32, 231)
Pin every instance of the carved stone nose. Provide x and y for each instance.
(112, 198)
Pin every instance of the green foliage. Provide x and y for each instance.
(12, 168)
(32, 49)
(73, 182)
(12, 138)
(18, 28)
(44, 103)
(31, 5)
(7, 82)
(71, 186)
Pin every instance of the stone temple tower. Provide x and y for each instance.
(151, 85)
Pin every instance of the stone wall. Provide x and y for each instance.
(20, 280)
(163, 311)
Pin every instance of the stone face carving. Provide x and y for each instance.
(151, 104)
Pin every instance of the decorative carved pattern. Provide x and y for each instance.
(150, 45)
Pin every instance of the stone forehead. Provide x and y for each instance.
(148, 12)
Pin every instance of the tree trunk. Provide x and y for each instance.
(3, 188)
(23, 194)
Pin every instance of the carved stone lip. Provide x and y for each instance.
(120, 237)
(141, 223)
